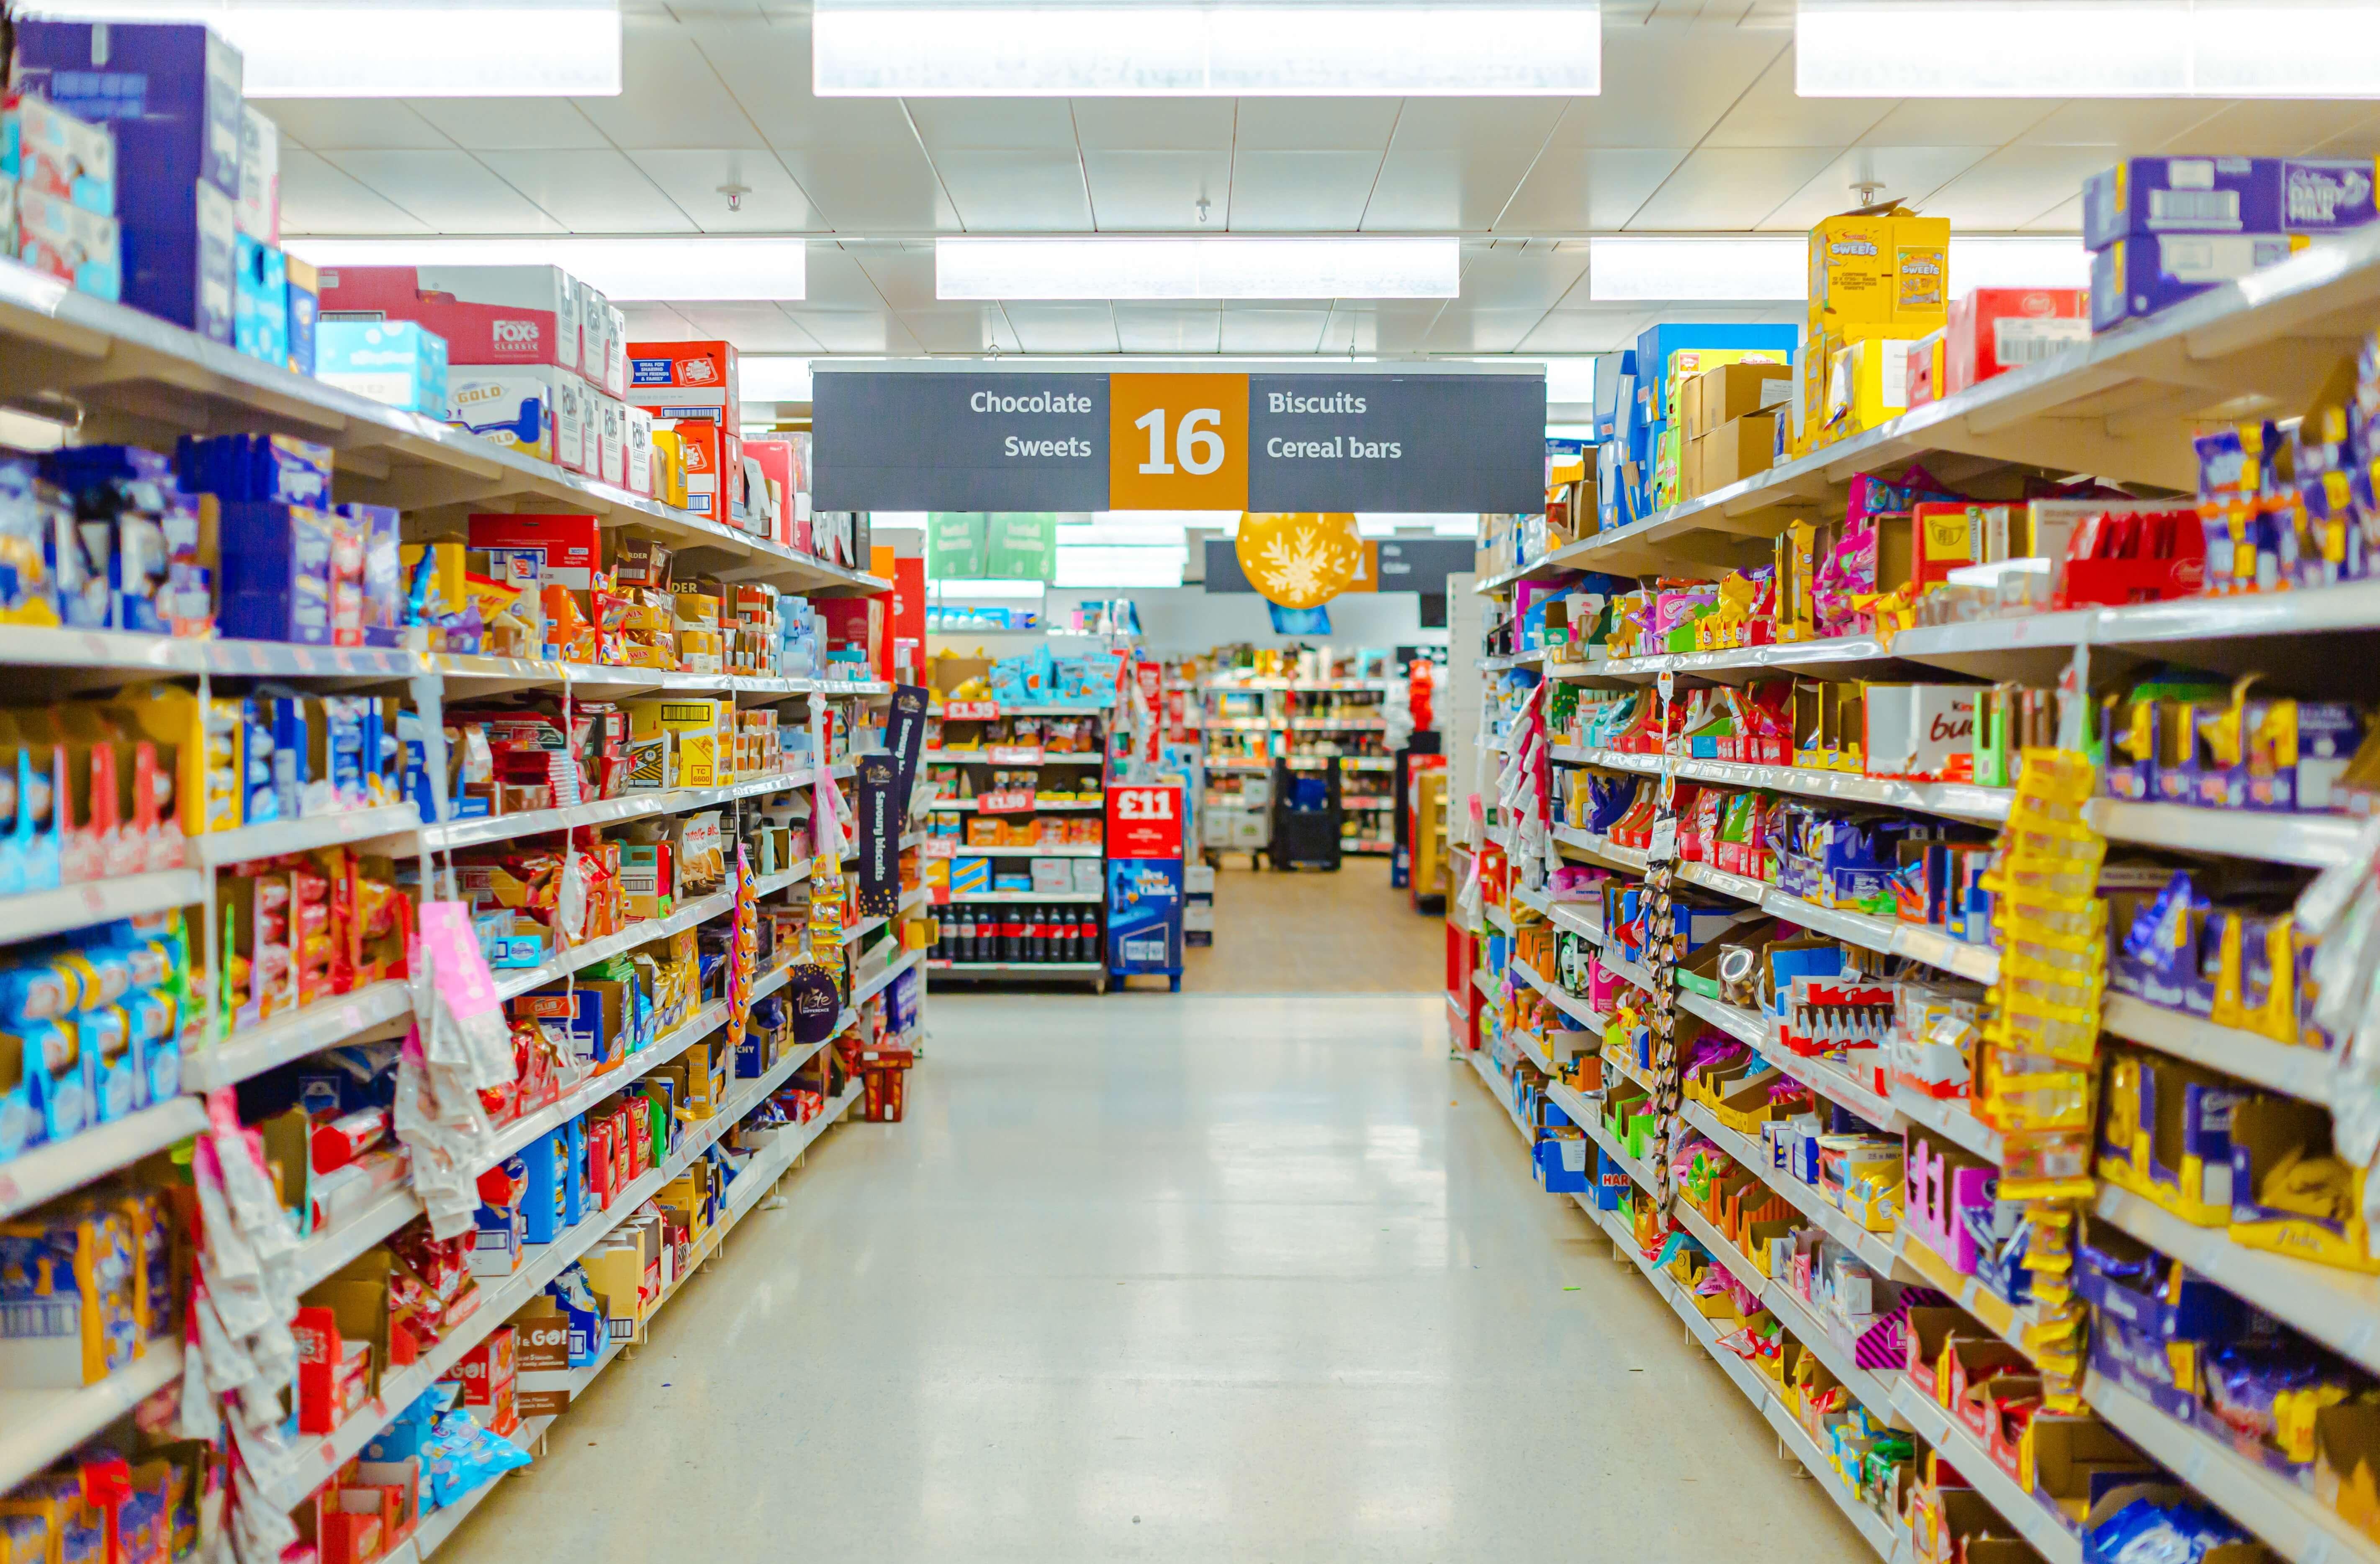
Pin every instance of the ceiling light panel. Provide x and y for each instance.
(705, 269)
(2087, 49)
(523, 49)
(1761, 270)
(1197, 268)
(1235, 48)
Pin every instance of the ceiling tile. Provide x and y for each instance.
(452, 192)
(1958, 122)
(1158, 189)
(1771, 113)
(1576, 188)
(2272, 128)
(2065, 217)
(1514, 276)
(1154, 124)
(852, 330)
(993, 124)
(329, 125)
(1464, 327)
(592, 192)
(653, 322)
(1727, 186)
(1910, 174)
(2015, 186)
(1354, 328)
(1404, 325)
(319, 198)
(1593, 328)
(1315, 124)
(961, 328)
(1268, 329)
(898, 275)
(1666, 86)
(673, 98)
(2128, 126)
(890, 189)
(773, 203)
(1026, 191)
(1044, 327)
(515, 125)
(1455, 162)
(753, 327)
(1188, 327)
(1301, 192)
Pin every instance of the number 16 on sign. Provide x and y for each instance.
(1177, 442)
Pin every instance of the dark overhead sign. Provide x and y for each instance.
(970, 441)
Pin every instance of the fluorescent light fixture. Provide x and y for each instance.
(957, 588)
(693, 267)
(1097, 566)
(1762, 269)
(2087, 49)
(1225, 48)
(762, 377)
(1569, 380)
(414, 49)
(1197, 268)
(1120, 534)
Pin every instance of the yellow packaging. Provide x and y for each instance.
(1867, 382)
(1880, 267)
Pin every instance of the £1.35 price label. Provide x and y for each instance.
(1145, 823)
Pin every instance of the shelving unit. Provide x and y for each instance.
(2121, 408)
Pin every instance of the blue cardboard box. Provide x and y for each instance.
(398, 362)
(170, 91)
(2141, 275)
(180, 259)
(276, 573)
(259, 300)
(2225, 195)
(1144, 915)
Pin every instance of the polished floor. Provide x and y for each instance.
(1305, 932)
(1167, 1278)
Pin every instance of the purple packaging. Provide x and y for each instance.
(170, 91)
(2225, 195)
(384, 573)
(183, 268)
(276, 573)
(2140, 276)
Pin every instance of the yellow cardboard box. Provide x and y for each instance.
(1876, 266)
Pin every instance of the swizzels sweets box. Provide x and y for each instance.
(685, 381)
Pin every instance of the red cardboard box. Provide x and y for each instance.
(487, 1375)
(686, 379)
(775, 459)
(1993, 330)
(847, 623)
(488, 314)
(712, 452)
(573, 545)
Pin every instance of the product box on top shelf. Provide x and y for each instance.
(709, 452)
(259, 312)
(686, 380)
(170, 91)
(46, 151)
(1992, 330)
(2225, 195)
(638, 446)
(59, 239)
(260, 176)
(773, 463)
(513, 315)
(396, 363)
(2142, 274)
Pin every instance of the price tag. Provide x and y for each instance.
(939, 846)
(970, 710)
(1014, 754)
(1006, 801)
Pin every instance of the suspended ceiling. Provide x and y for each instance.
(1698, 130)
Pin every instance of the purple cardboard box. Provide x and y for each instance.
(2138, 276)
(276, 573)
(170, 91)
(183, 268)
(2225, 195)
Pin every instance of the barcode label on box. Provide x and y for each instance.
(2018, 340)
(2194, 206)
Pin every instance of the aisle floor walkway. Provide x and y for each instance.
(1177, 1278)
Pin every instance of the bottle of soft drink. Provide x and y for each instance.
(1011, 928)
(1042, 917)
(962, 935)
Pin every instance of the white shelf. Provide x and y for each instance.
(607, 811)
(1570, 1004)
(511, 980)
(36, 915)
(2339, 1308)
(1053, 898)
(272, 838)
(2034, 1521)
(1874, 1249)
(252, 1050)
(967, 806)
(38, 1427)
(47, 1172)
(2306, 1073)
(2298, 1526)
(964, 851)
(1500, 1088)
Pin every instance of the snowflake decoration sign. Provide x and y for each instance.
(1300, 559)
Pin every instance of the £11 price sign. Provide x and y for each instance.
(1143, 821)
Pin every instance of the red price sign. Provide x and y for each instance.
(1143, 822)
(970, 710)
(1006, 801)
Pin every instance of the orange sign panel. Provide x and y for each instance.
(1177, 442)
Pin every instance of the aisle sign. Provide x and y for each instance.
(970, 441)
(1143, 821)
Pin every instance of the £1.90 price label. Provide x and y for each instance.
(1143, 822)
(1178, 442)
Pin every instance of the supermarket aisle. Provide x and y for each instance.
(1167, 1278)
(1343, 933)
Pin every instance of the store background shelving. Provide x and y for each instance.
(2122, 407)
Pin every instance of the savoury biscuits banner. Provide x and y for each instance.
(934, 441)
